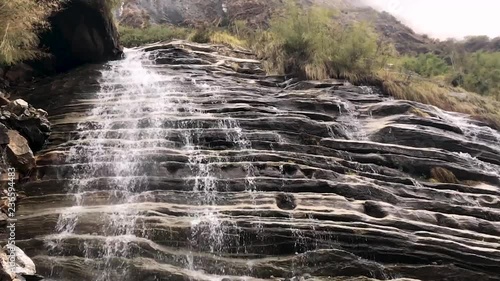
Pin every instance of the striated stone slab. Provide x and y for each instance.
(198, 171)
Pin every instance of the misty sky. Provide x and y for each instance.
(447, 18)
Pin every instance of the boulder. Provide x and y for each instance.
(18, 107)
(24, 268)
(83, 31)
(19, 153)
(31, 123)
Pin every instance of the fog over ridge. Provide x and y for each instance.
(445, 18)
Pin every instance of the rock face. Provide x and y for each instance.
(32, 123)
(182, 162)
(19, 152)
(176, 12)
(22, 269)
(23, 129)
(82, 32)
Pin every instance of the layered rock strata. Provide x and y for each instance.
(190, 164)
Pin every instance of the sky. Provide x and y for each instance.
(446, 18)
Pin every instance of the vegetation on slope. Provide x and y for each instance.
(20, 23)
(134, 37)
(313, 44)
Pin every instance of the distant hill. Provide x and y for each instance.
(258, 12)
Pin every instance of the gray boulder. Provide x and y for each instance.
(19, 153)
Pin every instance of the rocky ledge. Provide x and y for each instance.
(23, 131)
(308, 180)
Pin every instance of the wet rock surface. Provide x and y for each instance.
(198, 171)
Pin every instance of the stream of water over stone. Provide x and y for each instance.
(173, 164)
(140, 113)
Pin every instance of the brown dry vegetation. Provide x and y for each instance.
(312, 44)
(441, 95)
(20, 23)
(443, 175)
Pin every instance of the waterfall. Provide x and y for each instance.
(183, 163)
(138, 113)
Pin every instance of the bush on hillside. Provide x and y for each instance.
(426, 65)
(200, 35)
(476, 72)
(481, 74)
(310, 44)
(360, 53)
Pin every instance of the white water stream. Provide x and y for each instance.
(136, 112)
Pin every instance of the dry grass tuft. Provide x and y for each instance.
(445, 97)
(417, 112)
(20, 23)
(225, 38)
(443, 175)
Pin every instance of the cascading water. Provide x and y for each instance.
(125, 124)
(137, 111)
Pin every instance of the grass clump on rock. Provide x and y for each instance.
(444, 96)
(442, 175)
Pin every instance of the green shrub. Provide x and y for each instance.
(296, 40)
(200, 35)
(312, 44)
(360, 53)
(427, 65)
(481, 73)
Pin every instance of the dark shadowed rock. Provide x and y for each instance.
(4, 136)
(286, 201)
(83, 31)
(30, 122)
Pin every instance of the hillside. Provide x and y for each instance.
(139, 13)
